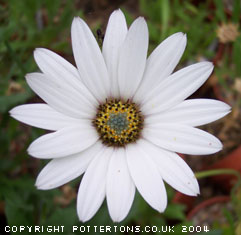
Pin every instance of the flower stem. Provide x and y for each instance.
(203, 174)
(235, 188)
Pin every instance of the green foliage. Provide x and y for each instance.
(26, 25)
(220, 14)
(168, 17)
(236, 11)
(236, 56)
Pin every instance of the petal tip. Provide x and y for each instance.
(118, 217)
(119, 11)
(75, 21)
(228, 108)
(37, 49)
(180, 34)
(218, 146)
(141, 19)
(38, 185)
(76, 18)
(11, 111)
(210, 64)
(207, 63)
(42, 186)
(40, 50)
(82, 219)
(140, 22)
(117, 15)
(28, 76)
(30, 150)
(162, 205)
(162, 209)
(197, 191)
(115, 219)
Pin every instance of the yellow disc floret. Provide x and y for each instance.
(118, 122)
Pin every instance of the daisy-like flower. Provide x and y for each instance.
(119, 118)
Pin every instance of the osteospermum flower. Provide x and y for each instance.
(119, 117)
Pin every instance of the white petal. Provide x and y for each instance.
(42, 116)
(161, 63)
(59, 98)
(133, 58)
(63, 74)
(64, 142)
(182, 139)
(173, 169)
(194, 112)
(176, 88)
(120, 189)
(93, 185)
(89, 60)
(114, 37)
(146, 177)
(60, 171)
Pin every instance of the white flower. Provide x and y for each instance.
(119, 117)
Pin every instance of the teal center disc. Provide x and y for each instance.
(118, 122)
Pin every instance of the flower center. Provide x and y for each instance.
(118, 123)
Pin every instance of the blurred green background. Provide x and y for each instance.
(213, 31)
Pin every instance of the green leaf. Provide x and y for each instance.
(66, 216)
(175, 211)
(18, 207)
(220, 10)
(6, 102)
(165, 14)
(236, 11)
(236, 55)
